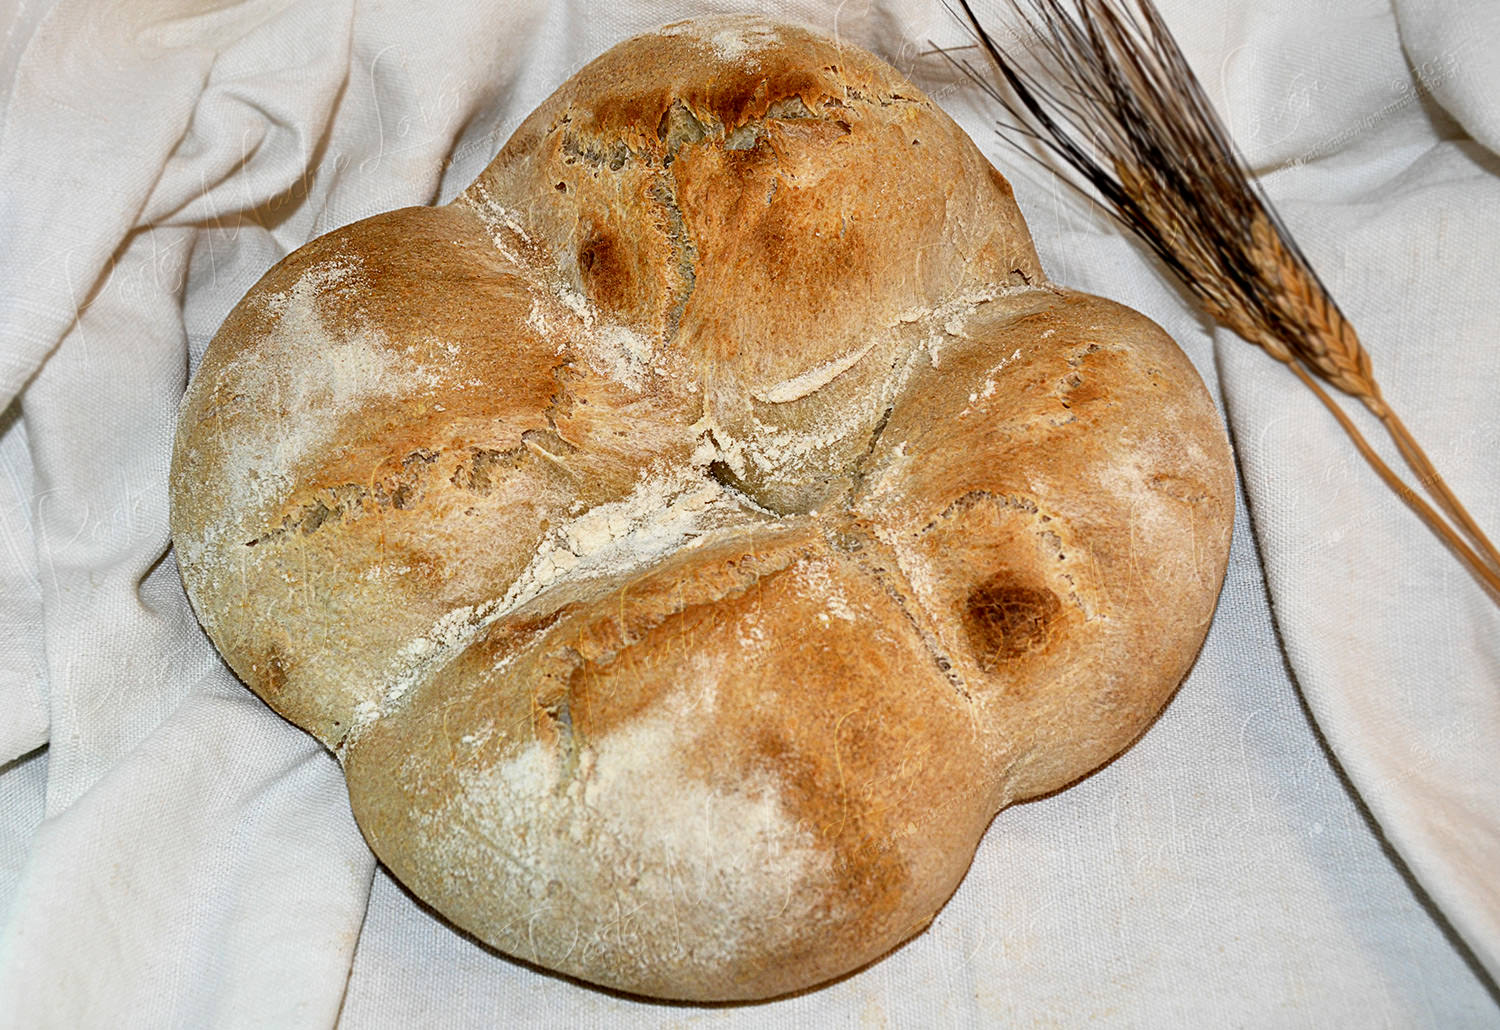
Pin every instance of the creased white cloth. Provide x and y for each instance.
(1310, 834)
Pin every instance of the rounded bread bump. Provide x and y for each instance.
(693, 535)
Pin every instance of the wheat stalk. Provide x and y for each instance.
(1121, 105)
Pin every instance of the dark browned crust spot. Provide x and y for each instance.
(606, 274)
(1005, 618)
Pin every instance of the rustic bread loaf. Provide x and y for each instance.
(690, 537)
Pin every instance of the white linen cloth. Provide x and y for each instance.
(1310, 834)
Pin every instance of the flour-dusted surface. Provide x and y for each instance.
(734, 43)
(633, 823)
(296, 388)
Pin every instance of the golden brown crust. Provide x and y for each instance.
(693, 535)
(763, 213)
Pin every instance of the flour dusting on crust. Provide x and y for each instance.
(301, 379)
(314, 376)
(664, 513)
(626, 818)
(815, 378)
(734, 39)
